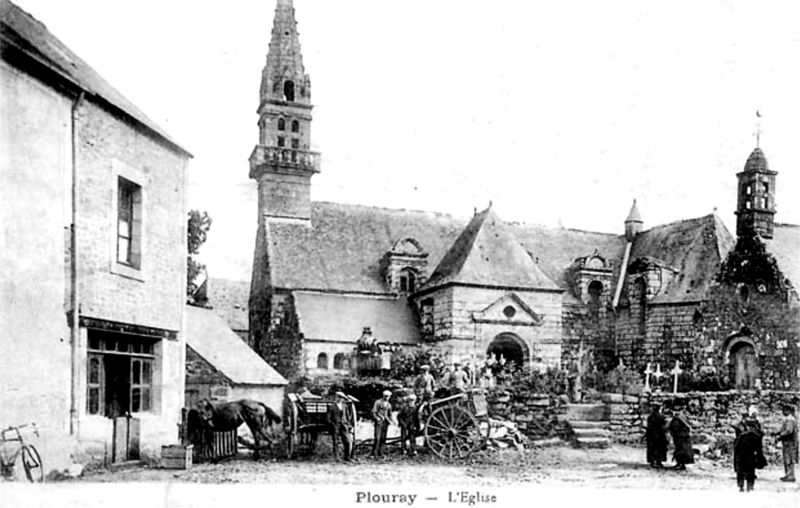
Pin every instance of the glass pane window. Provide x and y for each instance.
(119, 374)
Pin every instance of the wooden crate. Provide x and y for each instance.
(176, 456)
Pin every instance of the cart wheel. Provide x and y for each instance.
(452, 432)
(354, 416)
(291, 444)
(32, 464)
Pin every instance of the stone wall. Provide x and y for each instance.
(712, 415)
(537, 415)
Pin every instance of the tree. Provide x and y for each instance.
(198, 226)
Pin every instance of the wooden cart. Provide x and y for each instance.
(456, 426)
(306, 418)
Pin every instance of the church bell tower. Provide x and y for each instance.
(755, 209)
(281, 162)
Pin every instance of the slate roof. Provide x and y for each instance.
(785, 247)
(694, 248)
(23, 31)
(209, 336)
(344, 248)
(341, 318)
(486, 253)
(230, 299)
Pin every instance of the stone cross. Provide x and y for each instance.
(658, 374)
(676, 371)
(647, 372)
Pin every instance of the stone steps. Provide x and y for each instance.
(589, 425)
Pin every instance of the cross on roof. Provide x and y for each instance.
(758, 128)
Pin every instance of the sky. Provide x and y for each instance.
(558, 113)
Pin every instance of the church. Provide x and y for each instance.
(541, 297)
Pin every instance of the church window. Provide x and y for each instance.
(295, 143)
(766, 188)
(281, 141)
(340, 361)
(697, 318)
(281, 124)
(747, 204)
(295, 126)
(509, 311)
(322, 361)
(749, 190)
(640, 288)
(408, 280)
(595, 291)
(288, 91)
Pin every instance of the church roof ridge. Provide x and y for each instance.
(487, 253)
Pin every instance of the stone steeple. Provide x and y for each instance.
(282, 162)
(755, 209)
(633, 224)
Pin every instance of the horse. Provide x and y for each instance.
(231, 415)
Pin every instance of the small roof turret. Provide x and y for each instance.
(634, 215)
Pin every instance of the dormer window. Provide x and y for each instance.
(408, 280)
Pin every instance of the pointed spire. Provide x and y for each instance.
(285, 60)
(633, 224)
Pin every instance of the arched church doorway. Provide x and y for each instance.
(510, 347)
(744, 365)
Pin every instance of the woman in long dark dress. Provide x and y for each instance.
(681, 433)
(656, 437)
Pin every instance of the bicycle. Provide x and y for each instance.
(31, 461)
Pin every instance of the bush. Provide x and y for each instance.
(620, 379)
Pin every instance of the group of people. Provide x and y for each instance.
(748, 450)
(411, 405)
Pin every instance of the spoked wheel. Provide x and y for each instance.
(291, 444)
(452, 432)
(354, 416)
(32, 463)
(290, 429)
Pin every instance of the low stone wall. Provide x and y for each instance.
(712, 415)
(537, 415)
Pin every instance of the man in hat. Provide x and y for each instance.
(423, 384)
(787, 435)
(748, 455)
(381, 415)
(681, 433)
(408, 418)
(656, 437)
(341, 423)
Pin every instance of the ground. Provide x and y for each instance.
(559, 468)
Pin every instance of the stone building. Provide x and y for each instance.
(479, 288)
(92, 207)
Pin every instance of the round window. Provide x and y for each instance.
(509, 311)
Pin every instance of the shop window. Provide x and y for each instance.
(119, 375)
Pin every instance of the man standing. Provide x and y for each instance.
(423, 384)
(748, 455)
(787, 435)
(681, 433)
(408, 418)
(656, 437)
(458, 380)
(341, 424)
(381, 415)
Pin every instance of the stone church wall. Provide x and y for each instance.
(666, 335)
(454, 323)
